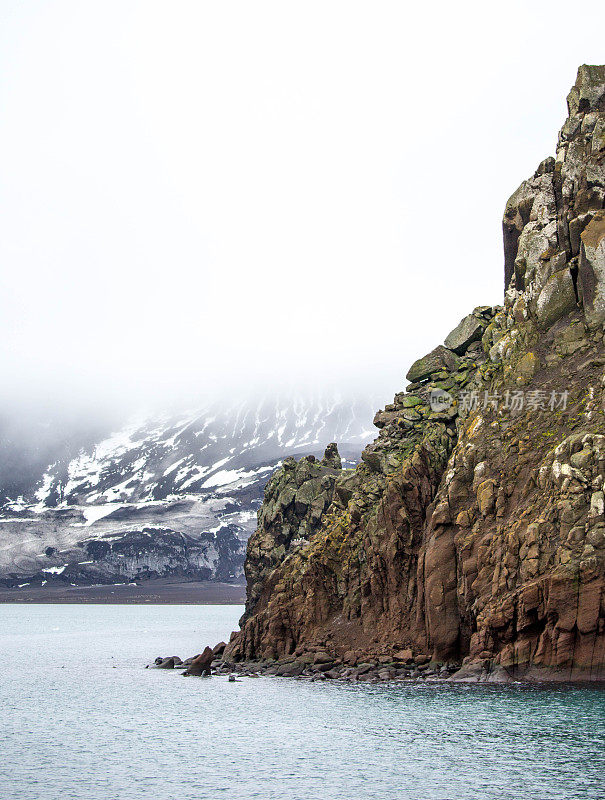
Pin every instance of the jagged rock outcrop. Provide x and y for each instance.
(296, 499)
(474, 528)
(201, 664)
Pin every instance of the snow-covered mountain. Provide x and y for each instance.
(170, 494)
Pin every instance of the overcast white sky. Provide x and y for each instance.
(207, 195)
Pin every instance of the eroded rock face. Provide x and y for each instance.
(592, 269)
(473, 530)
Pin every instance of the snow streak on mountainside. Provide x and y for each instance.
(165, 494)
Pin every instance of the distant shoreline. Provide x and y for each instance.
(161, 591)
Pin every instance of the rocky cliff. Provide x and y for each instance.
(473, 530)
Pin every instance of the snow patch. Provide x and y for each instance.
(56, 570)
(95, 513)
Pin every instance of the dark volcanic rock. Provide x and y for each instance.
(164, 663)
(470, 329)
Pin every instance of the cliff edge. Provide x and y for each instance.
(473, 530)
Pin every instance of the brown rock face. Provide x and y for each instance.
(201, 665)
(474, 528)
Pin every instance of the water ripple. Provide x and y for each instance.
(82, 720)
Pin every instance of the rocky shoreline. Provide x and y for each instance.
(401, 667)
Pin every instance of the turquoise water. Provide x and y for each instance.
(82, 719)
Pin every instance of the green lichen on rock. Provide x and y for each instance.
(296, 497)
(433, 362)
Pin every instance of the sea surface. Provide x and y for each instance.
(82, 718)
